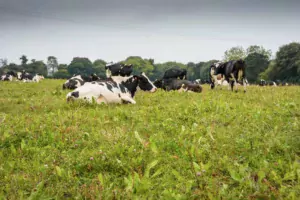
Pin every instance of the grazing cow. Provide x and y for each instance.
(112, 91)
(175, 73)
(216, 76)
(175, 84)
(118, 69)
(233, 72)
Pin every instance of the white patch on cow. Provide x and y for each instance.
(78, 84)
(274, 84)
(153, 86)
(19, 74)
(3, 77)
(198, 81)
(119, 79)
(36, 78)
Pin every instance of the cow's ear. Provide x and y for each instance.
(136, 77)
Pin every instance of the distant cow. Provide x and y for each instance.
(233, 72)
(175, 84)
(112, 91)
(175, 73)
(6, 77)
(37, 78)
(118, 69)
(24, 76)
(265, 83)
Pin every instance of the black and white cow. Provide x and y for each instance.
(27, 77)
(78, 80)
(118, 69)
(265, 83)
(113, 90)
(176, 84)
(233, 72)
(175, 73)
(6, 77)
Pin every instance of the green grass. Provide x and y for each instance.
(170, 145)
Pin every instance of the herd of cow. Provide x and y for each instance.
(22, 76)
(120, 86)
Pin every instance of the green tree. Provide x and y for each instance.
(288, 62)
(204, 69)
(234, 53)
(259, 50)
(3, 62)
(24, 60)
(37, 67)
(62, 66)
(270, 72)
(52, 65)
(99, 68)
(140, 65)
(256, 64)
(81, 66)
(62, 74)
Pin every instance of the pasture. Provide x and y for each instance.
(170, 145)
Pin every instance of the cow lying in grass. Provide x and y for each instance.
(176, 84)
(113, 90)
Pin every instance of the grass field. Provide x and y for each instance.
(170, 145)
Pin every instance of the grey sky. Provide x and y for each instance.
(166, 30)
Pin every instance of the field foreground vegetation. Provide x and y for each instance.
(170, 145)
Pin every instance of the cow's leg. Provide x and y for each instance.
(244, 84)
(234, 82)
(127, 99)
(101, 99)
(222, 80)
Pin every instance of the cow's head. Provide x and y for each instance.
(142, 81)
(145, 83)
(19, 75)
(71, 84)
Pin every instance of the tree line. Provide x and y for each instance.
(260, 65)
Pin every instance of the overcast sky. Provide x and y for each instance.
(166, 30)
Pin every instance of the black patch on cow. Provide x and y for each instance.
(131, 84)
(119, 95)
(93, 82)
(75, 94)
(122, 88)
(144, 83)
(109, 87)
